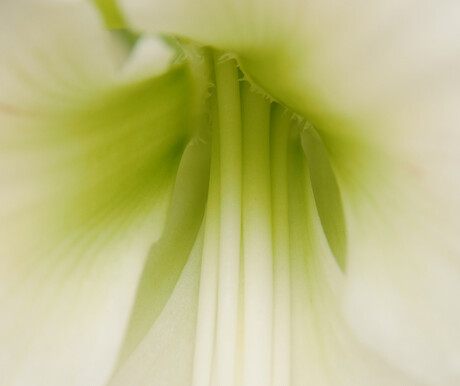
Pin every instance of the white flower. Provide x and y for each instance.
(258, 193)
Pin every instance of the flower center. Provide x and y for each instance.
(258, 165)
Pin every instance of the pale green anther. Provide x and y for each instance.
(167, 258)
(327, 194)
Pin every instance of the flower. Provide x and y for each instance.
(229, 192)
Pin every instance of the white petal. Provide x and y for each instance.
(402, 212)
(87, 164)
(325, 350)
(320, 57)
(165, 355)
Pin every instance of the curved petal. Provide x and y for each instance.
(402, 211)
(165, 355)
(88, 155)
(320, 57)
(325, 350)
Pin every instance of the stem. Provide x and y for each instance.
(257, 239)
(228, 101)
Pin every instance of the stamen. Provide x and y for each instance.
(230, 144)
(207, 308)
(257, 239)
(281, 365)
(256, 205)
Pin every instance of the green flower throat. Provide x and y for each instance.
(263, 163)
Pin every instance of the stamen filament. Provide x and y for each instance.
(257, 239)
(228, 100)
(206, 319)
(244, 317)
(282, 281)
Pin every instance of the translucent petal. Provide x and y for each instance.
(402, 211)
(88, 156)
(165, 355)
(321, 58)
(324, 349)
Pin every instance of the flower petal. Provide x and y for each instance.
(165, 355)
(402, 211)
(324, 349)
(319, 57)
(88, 157)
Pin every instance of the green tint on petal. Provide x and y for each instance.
(324, 349)
(404, 266)
(89, 150)
(277, 283)
(165, 355)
